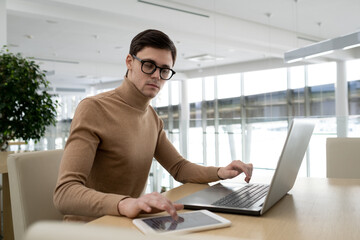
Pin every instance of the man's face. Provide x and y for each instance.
(148, 84)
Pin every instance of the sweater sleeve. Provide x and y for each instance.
(181, 169)
(71, 196)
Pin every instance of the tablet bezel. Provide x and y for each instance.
(145, 228)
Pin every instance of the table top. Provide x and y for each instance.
(316, 208)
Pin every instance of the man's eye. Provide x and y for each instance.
(165, 71)
(149, 65)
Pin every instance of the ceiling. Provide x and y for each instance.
(85, 42)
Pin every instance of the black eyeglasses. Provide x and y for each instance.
(149, 67)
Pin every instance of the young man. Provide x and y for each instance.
(115, 135)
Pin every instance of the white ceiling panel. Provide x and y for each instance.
(85, 42)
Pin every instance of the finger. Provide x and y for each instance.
(247, 176)
(250, 169)
(178, 206)
(171, 209)
(144, 206)
(247, 169)
(149, 202)
(158, 203)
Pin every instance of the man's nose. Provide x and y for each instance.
(156, 74)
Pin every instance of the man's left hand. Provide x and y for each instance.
(234, 169)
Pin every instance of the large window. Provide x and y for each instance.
(228, 122)
(228, 94)
(241, 116)
(265, 93)
(296, 91)
(321, 80)
(354, 97)
(353, 77)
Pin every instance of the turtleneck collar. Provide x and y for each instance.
(132, 96)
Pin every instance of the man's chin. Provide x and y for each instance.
(150, 94)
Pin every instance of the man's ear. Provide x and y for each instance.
(129, 61)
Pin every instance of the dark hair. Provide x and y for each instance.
(152, 38)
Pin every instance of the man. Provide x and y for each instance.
(115, 135)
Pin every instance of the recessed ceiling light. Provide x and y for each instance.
(204, 58)
(51, 21)
(29, 36)
(268, 14)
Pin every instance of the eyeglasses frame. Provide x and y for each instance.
(156, 67)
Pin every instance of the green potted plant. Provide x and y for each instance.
(26, 108)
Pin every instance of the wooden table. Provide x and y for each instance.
(316, 208)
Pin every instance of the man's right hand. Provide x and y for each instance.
(149, 203)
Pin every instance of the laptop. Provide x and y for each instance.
(256, 199)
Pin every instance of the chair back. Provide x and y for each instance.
(32, 180)
(342, 158)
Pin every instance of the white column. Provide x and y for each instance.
(184, 119)
(216, 123)
(230, 133)
(245, 151)
(341, 100)
(3, 32)
(170, 124)
(204, 121)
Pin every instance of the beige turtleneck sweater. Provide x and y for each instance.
(113, 138)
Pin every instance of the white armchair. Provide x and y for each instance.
(343, 158)
(32, 180)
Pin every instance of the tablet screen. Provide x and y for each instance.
(166, 223)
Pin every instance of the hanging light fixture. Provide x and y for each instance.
(324, 47)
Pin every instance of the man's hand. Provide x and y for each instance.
(234, 169)
(149, 203)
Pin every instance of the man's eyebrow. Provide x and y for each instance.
(150, 60)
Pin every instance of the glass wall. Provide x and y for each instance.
(240, 116)
(246, 115)
(353, 77)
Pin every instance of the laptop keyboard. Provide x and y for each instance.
(243, 197)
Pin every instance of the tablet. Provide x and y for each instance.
(188, 222)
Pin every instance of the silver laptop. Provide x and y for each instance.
(256, 199)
